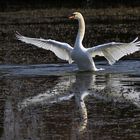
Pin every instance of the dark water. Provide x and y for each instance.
(56, 102)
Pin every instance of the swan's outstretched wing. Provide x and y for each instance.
(61, 50)
(114, 51)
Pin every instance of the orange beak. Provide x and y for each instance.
(71, 17)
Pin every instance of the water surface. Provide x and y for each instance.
(56, 102)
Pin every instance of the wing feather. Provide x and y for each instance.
(114, 51)
(61, 50)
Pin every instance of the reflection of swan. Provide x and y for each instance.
(80, 88)
(115, 91)
(11, 126)
(81, 56)
(85, 84)
(65, 90)
(54, 95)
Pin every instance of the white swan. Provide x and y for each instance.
(83, 56)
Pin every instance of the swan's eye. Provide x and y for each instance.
(72, 16)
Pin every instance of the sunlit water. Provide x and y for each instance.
(56, 102)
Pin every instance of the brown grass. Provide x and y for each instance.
(122, 12)
(102, 26)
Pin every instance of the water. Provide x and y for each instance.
(56, 102)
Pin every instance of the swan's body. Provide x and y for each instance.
(83, 56)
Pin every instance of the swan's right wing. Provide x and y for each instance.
(61, 50)
(114, 51)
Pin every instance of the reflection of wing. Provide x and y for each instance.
(54, 95)
(61, 50)
(114, 51)
(115, 91)
(9, 120)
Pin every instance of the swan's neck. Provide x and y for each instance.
(81, 31)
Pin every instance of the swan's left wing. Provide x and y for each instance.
(61, 50)
(114, 51)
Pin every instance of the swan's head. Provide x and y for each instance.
(76, 15)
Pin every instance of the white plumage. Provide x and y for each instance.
(114, 51)
(61, 50)
(83, 56)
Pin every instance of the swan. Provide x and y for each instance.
(82, 56)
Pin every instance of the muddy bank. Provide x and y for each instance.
(102, 25)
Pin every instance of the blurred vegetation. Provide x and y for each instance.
(106, 20)
(102, 26)
(15, 5)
